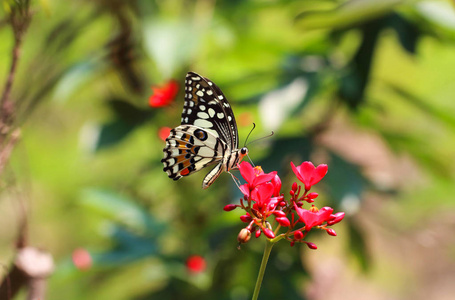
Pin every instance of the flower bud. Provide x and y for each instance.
(246, 218)
(258, 233)
(283, 203)
(283, 221)
(292, 193)
(292, 244)
(298, 235)
(230, 207)
(313, 195)
(312, 246)
(279, 213)
(244, 236)
(268, 233)
(335, 218)
(331, 232)
(294, 187)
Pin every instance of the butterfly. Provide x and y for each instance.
(207, 135)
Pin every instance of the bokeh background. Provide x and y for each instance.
(365, 86)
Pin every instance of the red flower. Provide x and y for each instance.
(82, 259)
(313, 217)
(308, 174)
(163, 96)
(276, 181)
(195, 264)
(262, 195)
(164, 132)
(254, 176)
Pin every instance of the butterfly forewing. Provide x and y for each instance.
(206, 106)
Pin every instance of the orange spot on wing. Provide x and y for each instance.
(184, 172)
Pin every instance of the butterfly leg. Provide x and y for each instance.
(236, 180)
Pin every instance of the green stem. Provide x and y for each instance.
(268, 248)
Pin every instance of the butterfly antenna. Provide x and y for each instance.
(254, 126)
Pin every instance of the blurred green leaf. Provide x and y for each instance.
(128, 248)
(344, 180)
(347, 14)
(358, 246)
(354, 82)
(127, 118)
(121, 209)
(408, 33)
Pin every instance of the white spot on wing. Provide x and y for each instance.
(220, 115)
(206, 151)
(196, 78)
(203, 123)
(202, 115)
(209, 92)
(200, 93)
(211, 112)
(220, 97)
(202, 107)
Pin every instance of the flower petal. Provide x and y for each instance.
(247, 171)
(319, 173)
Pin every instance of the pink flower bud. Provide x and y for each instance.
(294, 187)
(313, 195)
(331, 232)
(292, 193)
(312, 246)
(268, 233)
(298, 235)
(246, 218)
(283, 203)
(283, 221)
(244, 236)
(230, 207)
(258, 233)
(335, 218)
(279, 213)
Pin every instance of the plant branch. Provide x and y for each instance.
(19, 20)
(265, 258)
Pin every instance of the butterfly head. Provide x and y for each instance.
(243, 152)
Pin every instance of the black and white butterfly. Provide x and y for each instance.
(208, 134)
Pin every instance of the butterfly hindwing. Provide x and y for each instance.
(189, 149)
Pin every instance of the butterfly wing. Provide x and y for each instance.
(190, 148)
(207, 107)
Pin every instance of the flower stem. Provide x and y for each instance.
(268, 248)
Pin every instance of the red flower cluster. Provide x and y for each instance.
(263, 198)
(165, 95)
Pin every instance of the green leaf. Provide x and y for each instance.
(128, 117)
(408, 33)
(353, 84)
(347, 14)
(129, 247)
(358, 246)
(121, 209)
(344, 180)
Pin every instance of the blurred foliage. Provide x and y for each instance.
(89, 160)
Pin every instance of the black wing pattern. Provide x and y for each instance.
(207, 107)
